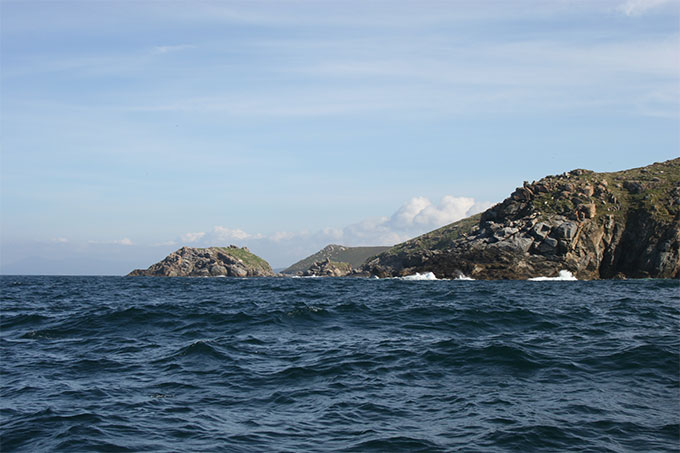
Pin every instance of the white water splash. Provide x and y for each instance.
(564, 275)
(419, 276)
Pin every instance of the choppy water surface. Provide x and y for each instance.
(153, 364)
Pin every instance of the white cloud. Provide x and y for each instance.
(283, 236)
(420, 212)
(124, 241)
(192, 237)
(479, 206)
(218, 236)
(408, 211)
(225, 234)
(373, 231)
(638, 7)
(60, 240)
(414, 217)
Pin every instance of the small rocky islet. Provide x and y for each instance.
(229, 261)
(596, 225)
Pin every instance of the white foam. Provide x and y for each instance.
(464, 277)
(564, 275)
(419, 276)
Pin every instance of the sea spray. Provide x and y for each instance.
(563, 275)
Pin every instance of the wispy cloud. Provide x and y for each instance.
(338, 74)
(124, 241)
(164, 244)
(226, 234)
(489, 77)
(639, 7)
(160, 50)
(192, 237)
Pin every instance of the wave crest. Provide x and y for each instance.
(564, 275)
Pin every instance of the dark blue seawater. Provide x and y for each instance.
(154, 364)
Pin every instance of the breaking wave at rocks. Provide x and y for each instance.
(563, 276)
(419, 276)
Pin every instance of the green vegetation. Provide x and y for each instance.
(440, 238)
(653, 188)
(244, 255)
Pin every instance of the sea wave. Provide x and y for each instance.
(563, 275)
(329, 364)
(419, 276)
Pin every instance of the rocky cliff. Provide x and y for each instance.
(596, 225)
(229, 261)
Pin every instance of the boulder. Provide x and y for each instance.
(548, 246)
(566, 230)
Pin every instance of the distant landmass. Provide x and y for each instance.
(596, 225)
(229, 261)
(622, 224)
(334, 260)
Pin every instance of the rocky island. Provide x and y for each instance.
(333, 261)
(229, 261)
(596, 225)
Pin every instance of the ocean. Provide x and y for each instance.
(344, 365)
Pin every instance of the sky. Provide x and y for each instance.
(131, 128)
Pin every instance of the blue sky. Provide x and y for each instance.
(130, 128)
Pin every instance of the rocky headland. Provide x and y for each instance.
(229, 261)
(596, 225)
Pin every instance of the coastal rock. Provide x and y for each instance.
(549, 245)
(328, 268)
(566, 230)
(229, 261)
(596, 225)
(352, 256)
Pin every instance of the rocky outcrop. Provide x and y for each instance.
(596, 225)
(354, 256)
(229, 261)
(328, 268)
